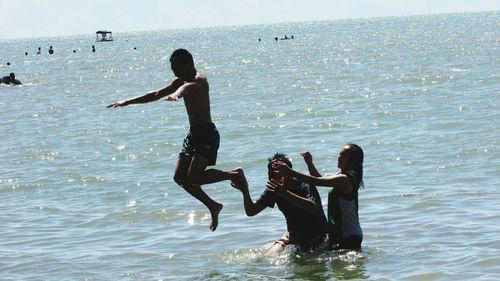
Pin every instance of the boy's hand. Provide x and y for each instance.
(172, 97)
(276, 187)
(117, 104)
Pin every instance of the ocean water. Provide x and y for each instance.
(86, 193)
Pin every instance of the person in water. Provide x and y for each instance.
(11, 79)
(299, 202)
(344, 229)
(200, 146)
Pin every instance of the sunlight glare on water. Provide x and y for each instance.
(87, 192)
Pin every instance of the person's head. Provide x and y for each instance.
(12, 76)
(277, 157)
(351, 159)
(181, 63)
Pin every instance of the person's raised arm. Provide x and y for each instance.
(151, 96)
(310, 165)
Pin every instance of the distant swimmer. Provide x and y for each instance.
(93, 49)
(51, 51)
(39, 51)
(11, 79)
(200, 146)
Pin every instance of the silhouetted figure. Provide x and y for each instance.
(74, 51)
(39, 51)
(8, 63)
(276, 38)
(93, 49)
(10, 80)
(51, 51)
(26, 53)
(259, 39)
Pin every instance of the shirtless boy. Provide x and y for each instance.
(199, 149)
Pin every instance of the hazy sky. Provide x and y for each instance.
(38, 18)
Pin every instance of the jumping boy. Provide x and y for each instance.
(199, 149)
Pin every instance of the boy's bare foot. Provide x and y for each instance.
(214, 213)
(240, 181)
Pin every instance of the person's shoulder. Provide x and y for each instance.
(201, 81)
(200, 78)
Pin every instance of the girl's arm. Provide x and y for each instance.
(309, 162)
(339, 181)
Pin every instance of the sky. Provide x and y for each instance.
(45, 18)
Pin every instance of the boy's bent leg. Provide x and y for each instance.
(181, 169)
(192, 186)
(236, 176)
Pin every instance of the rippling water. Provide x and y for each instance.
(86, 193)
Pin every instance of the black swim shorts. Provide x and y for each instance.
(203, 139)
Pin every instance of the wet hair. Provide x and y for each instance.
(278, 157)
(182, 55)
(356, 156)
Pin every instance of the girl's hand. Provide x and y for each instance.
(281, 168)
(307, 157)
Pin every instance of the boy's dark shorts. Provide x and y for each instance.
(203, 140)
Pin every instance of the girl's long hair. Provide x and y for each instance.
(356, 155)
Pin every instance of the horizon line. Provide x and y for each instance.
(256, 24)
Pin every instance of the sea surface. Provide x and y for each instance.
(86, 193)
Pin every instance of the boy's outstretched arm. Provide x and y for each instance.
(151, 96)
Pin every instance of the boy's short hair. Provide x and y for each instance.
(279, 157)
(182, 55)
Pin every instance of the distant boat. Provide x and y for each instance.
(103, 36)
